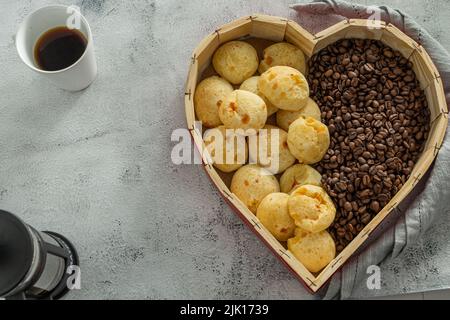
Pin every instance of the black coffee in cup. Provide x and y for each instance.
(59, 48)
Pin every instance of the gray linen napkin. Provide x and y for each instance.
(431, 197)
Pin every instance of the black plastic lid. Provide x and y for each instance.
(16, 251)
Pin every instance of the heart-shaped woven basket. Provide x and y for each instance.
(261, 30)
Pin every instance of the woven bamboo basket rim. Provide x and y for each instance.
(280, 29)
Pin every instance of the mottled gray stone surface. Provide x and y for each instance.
(95, 165)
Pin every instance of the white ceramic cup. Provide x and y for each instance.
(79, 75)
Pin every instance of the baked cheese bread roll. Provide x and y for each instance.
(274, 215)
(314, 250)
(283, 54)
(228, 150)
(236, 61)
(252, 183)
(311, 208)
(285, 118)
(270, 150)
(209, 95)
(299, 175)
(285, 87)
(308, 140)
(251, 84)
(243, 110)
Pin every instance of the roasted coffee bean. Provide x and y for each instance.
(375, 206)
(377, 187)
(365, 218)
(347, 206)
(329, 73)
(388, 53)
(378, 116)
(383, 198)
(378, 123)
(368, 68)
(362, 210)
(364, 167)
(367, 155)
(348, 236)
(364, 194)
(331, 128)
(350, 216)
(351, 229)
(378, 119)
(366, 180)
(340, 232)
(342, 186)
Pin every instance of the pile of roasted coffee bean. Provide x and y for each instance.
(378, 120)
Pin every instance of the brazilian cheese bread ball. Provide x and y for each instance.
(285, 87)
(274, 215)
(314, 250)
(243, 110)
(252, 183)
(285, 118)
(236, 61)
(299, 175)
(283, 54)
(251, 84)
(308, 140)
(227, 149)
(269, 149)
(311, 208)
(208, 97)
